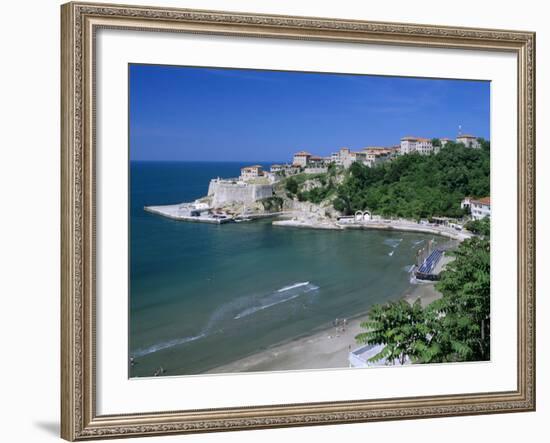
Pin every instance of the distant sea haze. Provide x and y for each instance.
(203, 295)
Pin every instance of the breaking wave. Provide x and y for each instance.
(393, 242)
(296, 290)
(295, 285)
(227, 312)
(167, 344)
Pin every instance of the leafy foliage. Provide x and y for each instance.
(400, 326)
(463, 314)
(480, 227)
(417, 186)
(272, 204)
(291, 185)
(454, 328)
(294, 186)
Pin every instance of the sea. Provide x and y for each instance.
(204, 295)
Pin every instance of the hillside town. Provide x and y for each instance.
(307, 163)
(258, 192)
(370, 156)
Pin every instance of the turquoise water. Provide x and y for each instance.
(204, 295)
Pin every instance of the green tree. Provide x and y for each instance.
(400, 327)
(417, 186)
(454, 328)
(272, 204)
(461, 318)
(291, 185)
(480, 227)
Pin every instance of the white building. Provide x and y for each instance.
(376, 155)
(444, 141)
(466, 203)
(421, 145)
(359, 358)
(480, 208)
(344, 157)
(301, 159)
(251, 172)
(360, 157)
(278, 168)
(470, 141)
(316, 162)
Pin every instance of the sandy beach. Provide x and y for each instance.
(325, 349)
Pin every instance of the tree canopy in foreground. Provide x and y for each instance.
(454, 328)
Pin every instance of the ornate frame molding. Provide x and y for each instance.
(79, 420)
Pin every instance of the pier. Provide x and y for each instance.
(182, 213)
(190, 213)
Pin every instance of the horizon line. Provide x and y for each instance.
(206, 161)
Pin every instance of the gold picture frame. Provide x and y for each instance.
(79, 22)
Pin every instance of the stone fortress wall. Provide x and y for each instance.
(223, 192)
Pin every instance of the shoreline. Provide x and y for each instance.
(382, 225)
(323, 349)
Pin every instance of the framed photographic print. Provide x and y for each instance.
(282, 221)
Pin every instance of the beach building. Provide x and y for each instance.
(480, 208)
(301, 159)
(359, 358)
(251, 172)
(410, 144)
(470, 141)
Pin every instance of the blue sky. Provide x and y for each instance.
(208, 114)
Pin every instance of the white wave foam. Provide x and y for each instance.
(225, 311)
(393, 242)
(254, 309)
(311, 288)
(295, 285)
(167, 344)
(275, 299)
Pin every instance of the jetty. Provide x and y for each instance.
(191, 212)
(186, 212)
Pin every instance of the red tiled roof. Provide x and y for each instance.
(483, 201)
(302, 154)
(466, 136)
